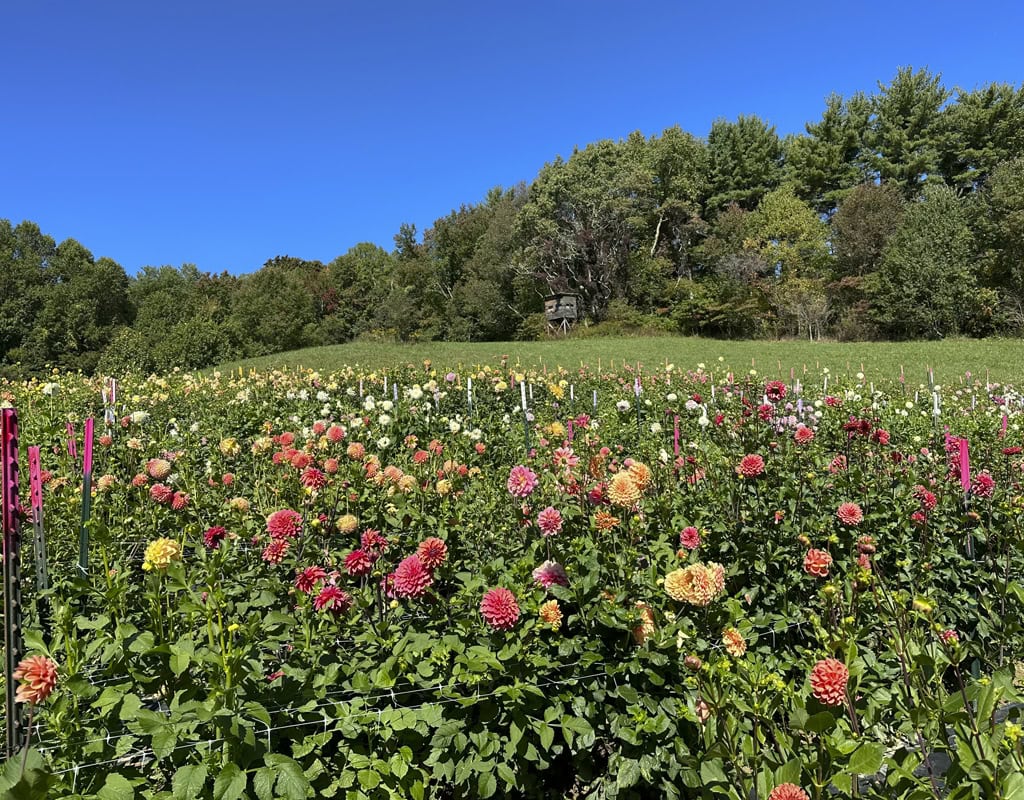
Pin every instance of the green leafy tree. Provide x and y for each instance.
(982, 129)
(904, 135)
(831, 159)
(999, 221)
(745, 162)
(275, 304)
(25, 253)
(357, 282)
(789, 235)
(925, 278)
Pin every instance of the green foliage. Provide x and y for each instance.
(925, 276)
(745, 160)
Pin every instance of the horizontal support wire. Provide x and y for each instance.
(339, 697)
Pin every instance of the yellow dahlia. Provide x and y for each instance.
(347, 523)
(160, 554)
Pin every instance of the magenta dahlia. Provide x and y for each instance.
(500, 609)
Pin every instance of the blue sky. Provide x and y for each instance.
(224, 133)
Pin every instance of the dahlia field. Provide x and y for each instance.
(647, 583)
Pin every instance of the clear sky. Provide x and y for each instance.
(223, 133)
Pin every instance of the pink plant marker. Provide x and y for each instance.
(675, 435)
(1002, 428)
(965, 466)
(35, 481)
(87, 462)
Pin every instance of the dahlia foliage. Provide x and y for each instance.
(650, 583)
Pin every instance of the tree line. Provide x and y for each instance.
(897, 214)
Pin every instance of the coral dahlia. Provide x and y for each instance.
(38, 676)
(358, 563)
(735, 644)
(284, 524)
(817, 562)
(432, 552)
(696, 584)
(828, 681)
(788, 791)
(750, 466)
(333, 599)
(500, 609)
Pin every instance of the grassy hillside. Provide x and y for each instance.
(1002, 359)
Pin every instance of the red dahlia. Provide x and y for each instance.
(308, 578)
(333, 599)
(500, 609)
(214, 536)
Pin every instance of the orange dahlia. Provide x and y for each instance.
(735, 644)
(828, 681)
(432, 552)
(646, 626)
(604, 521)
(38, 676)
(551, 614)
(641, 475)
(623, 490)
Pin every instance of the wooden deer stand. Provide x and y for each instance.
(561, 312)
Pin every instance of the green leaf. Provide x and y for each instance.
(711, 771)
(487, 784)
(291, 782)
(263, 783)
(368, 779)
(628, 773)
(867, 759)
(116, 787)
(230, 784)
(188, 782)
(547, 735)
(1013, 786)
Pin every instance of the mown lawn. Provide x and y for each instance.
(999, 359)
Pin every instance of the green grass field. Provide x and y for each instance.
(1001, 359)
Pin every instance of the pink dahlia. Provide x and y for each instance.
(180, 501)
(828, 681)
(983, 485)
(521, 481)
(432, 552)
(332, 599)
(850, 514)
(690, 538)
(412, 578)
(284, 524)
(775, 390)
(358, 563)
(549, 521)
(550, 573)
(500, 609)
(161, 494)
